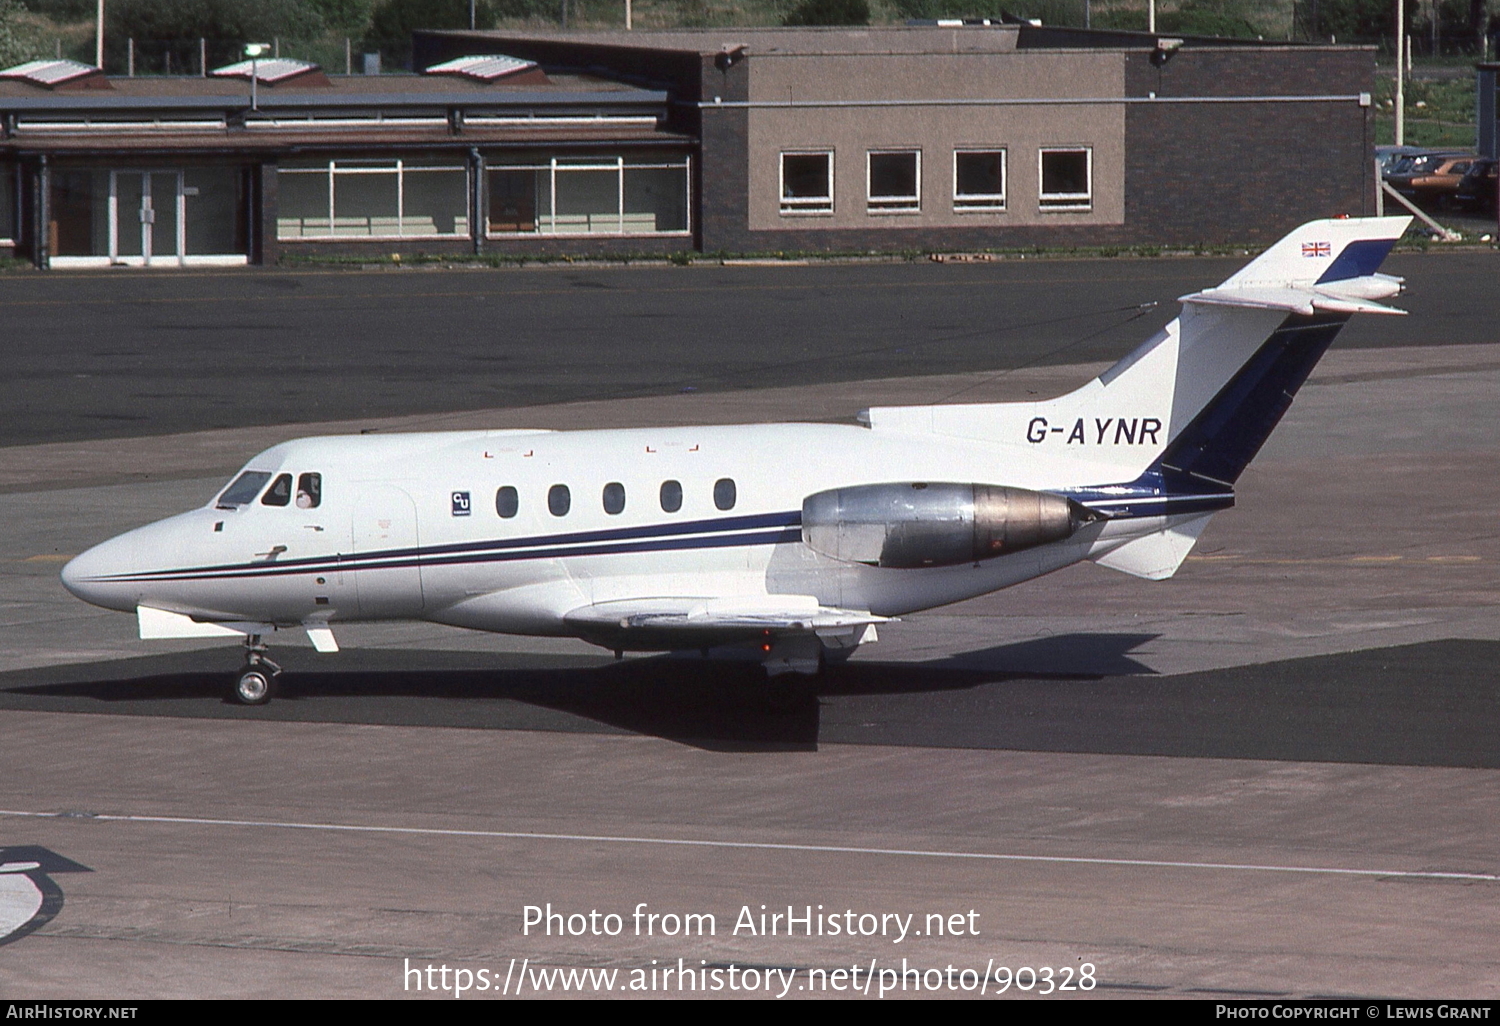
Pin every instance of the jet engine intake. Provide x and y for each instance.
(924, 524)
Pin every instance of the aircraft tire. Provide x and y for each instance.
(253, 686)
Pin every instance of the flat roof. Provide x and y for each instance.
(268, 141)
(388, 92)
(874, 39)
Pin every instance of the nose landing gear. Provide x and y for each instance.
(256, 681)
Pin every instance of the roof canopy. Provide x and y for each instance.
(485, 68)
(53, 74)
(274, 71)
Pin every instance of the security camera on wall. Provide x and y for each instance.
(1165, 50)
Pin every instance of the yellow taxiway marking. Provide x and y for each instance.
(49, 557)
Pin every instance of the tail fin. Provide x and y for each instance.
(1200, 397)
(1226, 401)
(1162, 436)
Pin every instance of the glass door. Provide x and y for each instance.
(145, 212)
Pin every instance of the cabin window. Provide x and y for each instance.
(280, 492)
(244, 489)
(507, 502)
(724, 493)
(671, 496)
(559, 500)
(614, 498)
(309, 491)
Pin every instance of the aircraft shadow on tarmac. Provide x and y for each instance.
(1425, 704)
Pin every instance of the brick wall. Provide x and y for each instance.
(1248, 172)
(723, 178)
(1210, 173)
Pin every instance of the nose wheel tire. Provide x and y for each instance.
(253, 686)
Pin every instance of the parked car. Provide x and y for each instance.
(1390, 156)
(1431, 178)
(1480, 188)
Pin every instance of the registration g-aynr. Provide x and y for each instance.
(790, 543)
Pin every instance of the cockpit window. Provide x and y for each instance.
(309, 491)
(244, 490)
(280, 492)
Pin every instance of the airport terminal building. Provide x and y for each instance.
(717, 140)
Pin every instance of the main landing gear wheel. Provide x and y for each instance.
(256, 681)
(253, 686)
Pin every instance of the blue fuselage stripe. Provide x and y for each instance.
(434, 554)
(773, 536)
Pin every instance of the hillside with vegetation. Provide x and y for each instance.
(166, 33)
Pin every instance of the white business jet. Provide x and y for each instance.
(789, 541)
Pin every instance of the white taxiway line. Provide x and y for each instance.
(688, 842)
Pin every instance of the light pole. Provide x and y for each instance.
(99, 38)
(255, 51)
(1400, 72)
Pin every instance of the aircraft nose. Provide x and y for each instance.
(90, 576)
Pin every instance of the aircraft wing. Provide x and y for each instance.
(696, 618)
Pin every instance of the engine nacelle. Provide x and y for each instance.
(935, 524)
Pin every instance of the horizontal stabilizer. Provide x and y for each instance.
(1156, 556)
(1305, 301)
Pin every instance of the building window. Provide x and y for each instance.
(614, 498)
(895, 180)
(1067, 178)
(214, 209)
(372, 199)
(589, 196)
(978, 179)
(724, 493)
(807, 183)
(7, 203)
(559, 500)
(671, 496)
(78, 213)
